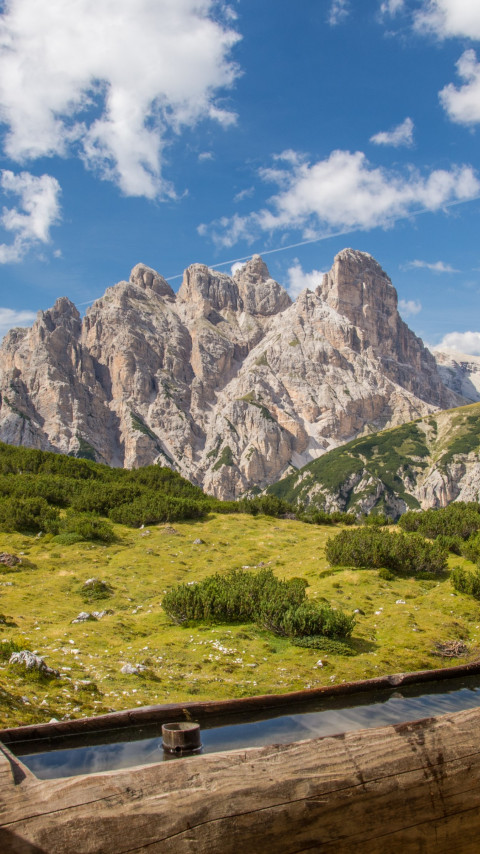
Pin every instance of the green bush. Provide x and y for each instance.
(95, 589)
(374, 548)
(466, 582)
(86, 526)
(7, 647)
(376, 520)
(28, 515)
(314, 516)
(459, 519)
(150, 509)
(452, 543)
(239, 596)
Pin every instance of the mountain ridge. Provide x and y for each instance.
(228, 381)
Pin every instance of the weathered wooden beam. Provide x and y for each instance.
(405, 788)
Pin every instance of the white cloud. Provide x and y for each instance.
(339, 10)
(344, 192)
(205, 155)
(244, 194)
(392, 7)
(10, 318)
(402, 134)
(298, 280)
(435, 267)
(37, 211)
(112, 80)
(238, 265)
(463, 104)
(410, 307)
(449, 18)
(461, 342)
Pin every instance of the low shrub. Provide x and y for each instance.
(374, 548)
(314, 516)
(240, 596)
(86, 526)
(95, 589)
(28, 515)
(150, 509)
(466, 582)
(471, 549)
(7, 647)
(458, 519)
(376, 520)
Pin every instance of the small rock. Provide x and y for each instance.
(359, 611)
(9, 560)
(32, 662)
(198, 542)
(83, 617)
(400, 602)
(132, 669)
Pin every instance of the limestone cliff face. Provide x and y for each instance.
(227, 380)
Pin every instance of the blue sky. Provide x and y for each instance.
(176, 131)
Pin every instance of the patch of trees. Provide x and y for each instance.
(369, 547)
(459, 520)
(236, 596)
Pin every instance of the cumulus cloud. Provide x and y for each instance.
(298, 280)
(112, 80)
(37, 210)
(461, 342)
(449, 18)
(339, 10)
(402, 134)
(205, 155)
(10, 318)
(463, 103)
(435, 266)
(410, 307)
(238, 265)
(344, 192)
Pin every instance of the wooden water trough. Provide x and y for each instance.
(410, 787)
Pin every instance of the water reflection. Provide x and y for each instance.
(392, 708)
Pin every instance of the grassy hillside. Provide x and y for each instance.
(39, 600)
(383, 471)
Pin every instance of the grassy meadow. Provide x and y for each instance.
(38, 602)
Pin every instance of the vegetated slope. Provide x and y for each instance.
(399, 619)
(227, 381)
(37, 486)
(425, 463)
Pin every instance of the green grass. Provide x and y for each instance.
(204, 662)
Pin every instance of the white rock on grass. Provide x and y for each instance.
(132, 669)
(32, 662)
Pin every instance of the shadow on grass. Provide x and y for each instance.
(360, 645)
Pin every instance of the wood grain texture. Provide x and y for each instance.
(405, 788)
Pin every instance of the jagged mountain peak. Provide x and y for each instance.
(148, 279)
(228, 382)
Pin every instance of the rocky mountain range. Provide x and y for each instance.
(227, 381)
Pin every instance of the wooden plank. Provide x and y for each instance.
(412, 787)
